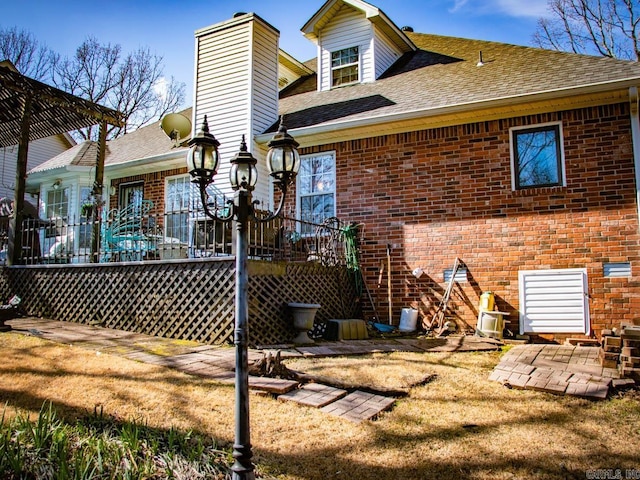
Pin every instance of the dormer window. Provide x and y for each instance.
(345, 66)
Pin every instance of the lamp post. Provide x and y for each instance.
(283, 163)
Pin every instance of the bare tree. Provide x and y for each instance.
(132, 84)
(602, 27)
(27, 54)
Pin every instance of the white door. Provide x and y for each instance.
(554, 301)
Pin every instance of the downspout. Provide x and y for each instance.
(635, 140)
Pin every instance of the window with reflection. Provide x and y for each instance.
(345, 66)
(316, 189)
(537, 156)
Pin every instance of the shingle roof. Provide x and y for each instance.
(83, 154)
(145, 142)
(444, 73)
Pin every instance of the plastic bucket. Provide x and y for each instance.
(408, 320)
(491, 324)
(487, 301)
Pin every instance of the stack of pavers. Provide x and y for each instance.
(622, 351)
(609, 353)
(629, 366)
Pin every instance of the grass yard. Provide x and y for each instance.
(460, 425)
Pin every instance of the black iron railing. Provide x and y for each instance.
(134, 234)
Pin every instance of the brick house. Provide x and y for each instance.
(523, 163)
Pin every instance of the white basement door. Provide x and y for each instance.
(554, 301)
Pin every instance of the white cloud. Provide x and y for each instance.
(457, 5)
(520, 8)
(160, 87)
(511, 8)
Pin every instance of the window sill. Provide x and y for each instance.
(535, 191)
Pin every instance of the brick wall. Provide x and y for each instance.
(434, 195)
(154, 186)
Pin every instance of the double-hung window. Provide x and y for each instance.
(58, 203)
(85, 228)
(177, 200)
(57, 212)
(345, 66)
(316, 188)
(537, 156)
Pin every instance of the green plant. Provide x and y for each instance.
(98, 446)
(86, 209)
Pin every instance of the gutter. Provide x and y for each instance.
(342, 126)
(635, 140)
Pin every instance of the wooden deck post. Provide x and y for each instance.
(98, 202)
(15, 225)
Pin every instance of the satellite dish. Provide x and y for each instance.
(176, 126)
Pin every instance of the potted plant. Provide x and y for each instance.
(86, 209)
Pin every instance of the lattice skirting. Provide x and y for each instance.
(191, 300)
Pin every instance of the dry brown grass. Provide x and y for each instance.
(459, 426)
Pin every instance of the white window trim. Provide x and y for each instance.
(189, 208)
(167, 179)
(512, 152)
(299, 196)
(332, 68)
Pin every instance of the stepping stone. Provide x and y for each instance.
(272, 385)
(359, 406)
(314, 395)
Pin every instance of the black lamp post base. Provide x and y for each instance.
(242, 468)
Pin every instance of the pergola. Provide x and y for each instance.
(30, 110)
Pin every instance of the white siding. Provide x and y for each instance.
(39, 151)
(554, 301)
(264, 97)
(237, 88)
(385, 53)
(349, 28)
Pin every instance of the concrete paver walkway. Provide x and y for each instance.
(559, 369)
(218, 362)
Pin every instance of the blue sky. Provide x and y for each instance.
(167, 27)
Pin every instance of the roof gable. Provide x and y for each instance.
(325, 14)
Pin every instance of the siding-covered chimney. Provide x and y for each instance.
(236, 86)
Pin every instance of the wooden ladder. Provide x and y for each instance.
(437, 323)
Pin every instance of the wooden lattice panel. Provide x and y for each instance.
(191, 300)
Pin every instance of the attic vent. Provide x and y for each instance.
(461, 275)
(283, 82)
(407, 29)
(617, 269)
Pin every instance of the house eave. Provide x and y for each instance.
(170, 160)
(35, 179)
(462, 113)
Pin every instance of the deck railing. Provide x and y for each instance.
(128, 236)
